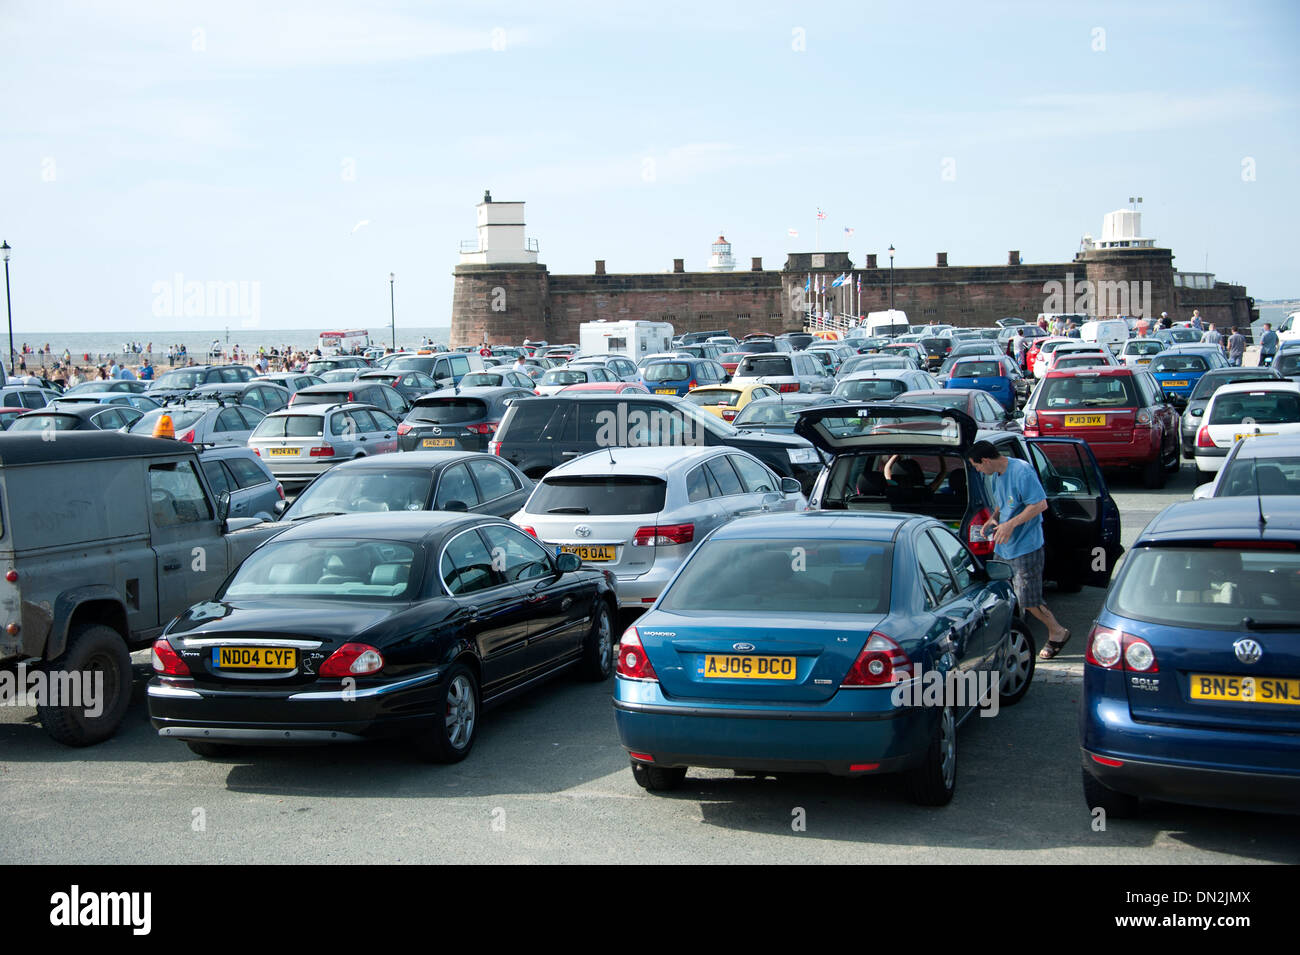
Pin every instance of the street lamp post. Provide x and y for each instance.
(392, 308)
(891, 281)
(9, 306)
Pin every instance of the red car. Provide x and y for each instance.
(729, 360)
(1120, 412)
(608, 387)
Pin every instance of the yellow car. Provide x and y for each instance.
(725, 401)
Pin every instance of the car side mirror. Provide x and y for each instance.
(281, 506)
(455, 506)
(1204, 492)
(791, 485)
(567, 563)
(1196, 412)
(998, 570)
(223, 506)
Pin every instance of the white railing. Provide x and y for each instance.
(833, 323)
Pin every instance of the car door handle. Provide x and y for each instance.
(172, 565)
(471, 612)
(570, 454)
(362, 438)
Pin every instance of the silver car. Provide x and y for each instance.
(638, 512)
(790, 372)
(299, 442)
(204, 422)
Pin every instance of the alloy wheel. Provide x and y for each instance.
(460, 712)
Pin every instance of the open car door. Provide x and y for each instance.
(1081, 526)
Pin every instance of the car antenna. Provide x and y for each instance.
(610, 449)
(1259, 500)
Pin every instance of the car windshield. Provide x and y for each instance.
(327, 569)
(180, 379)
(448, 410)
(612, 495)
(1210, 383)
(1077, 391)
(411, 363)
(289, 426)
(977, 369)
(765, 413)
(714, 397)
(350, 492)
(1179, 363)
(1182, 335)
(1288, 364)
(1209, 587)
(1255, 407)
(1142, 347)
(755, 576)
(1250, 476)
(1079, 361)
(182, 418)
(564, 376)
(764, 366)
(865, 388)
(666, 371)
(481, 379)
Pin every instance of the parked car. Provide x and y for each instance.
(619, 367)
(1042, 347)
(987, 374)
(968, 350)
(1177, 369)
(415, 628)
(291, 381)
(861, 440)
(743, 664)
(105, 385)
(726, 401)
(262, 396)
(1140, 351)
(464, 421)
(1189, 683)
(179, 381)
(75, 418)
(638, 512)
(128, 399)
(538, 434)
(25, 396)
(357, 392)
(778, 415)
(299, 442)
(443, 368)
(409, 384)
(238, 472)
(566, 375)
(9, 415)
(322, 366)
(606, 387)
(1269, 464)
(417, 481)
(796, 371)
(1211, 382)
(677, 376)
(883, 384)
(1239, 412)
(873, 362)
(1120, 412)
(985, 410)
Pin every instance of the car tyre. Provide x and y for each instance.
(935, 780)
(1017, 666)
(91, 649)
(598, 649)
(1176, 459)
(658, 779)
(1117, 805)
(1153, 474)
(456, 718)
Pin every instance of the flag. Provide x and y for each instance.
(807, 286)
(848, 231)
(838, 281)
(792, 233)
(820, 214)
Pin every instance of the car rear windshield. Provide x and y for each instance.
(180, 379)
(448, 410)
(763, 413)
(411, 363)
(666, 371)
(1259, 407)
(1179, 363)
(290, 426)
(482, 380)
(774, 365)
(1077, 391)
(882, 388)
(323, 397)
(1250, 476)
(326, 569)
(757, 348)
(564, 376)
(1210, 383)
(1209, 587)
(713, 398)
(748, 576)
(1143, 348)
(1288, 364)
(936, 346)
(977, 369)
(182, 418)
(609, 496)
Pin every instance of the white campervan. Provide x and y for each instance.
(891, 322)
(1111, 332)
(634, 339)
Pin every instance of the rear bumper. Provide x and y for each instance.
(850, 729)
(1210, 460)
(1144, 446)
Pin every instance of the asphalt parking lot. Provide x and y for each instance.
(548, 782)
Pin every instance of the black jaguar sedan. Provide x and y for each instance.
(378, 624)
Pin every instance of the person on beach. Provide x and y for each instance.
(1267, 345)
(1236, 347)
(1212, 337)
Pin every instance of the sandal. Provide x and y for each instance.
(1053, 647)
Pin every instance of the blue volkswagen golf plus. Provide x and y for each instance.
(1191, 689)
(807, 643)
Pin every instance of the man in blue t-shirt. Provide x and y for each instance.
(1016, 529)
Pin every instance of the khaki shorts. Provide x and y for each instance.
(1028, 579)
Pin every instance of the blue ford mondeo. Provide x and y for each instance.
(805, 643)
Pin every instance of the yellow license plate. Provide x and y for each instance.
(438, 443)
(1084, 420)
(1144, 361)
(721, 666)
(1244, 689)
(589, 552)
(283, 452)
(1260, 434)
(665, 391)
(254, 658)
(1175, 384)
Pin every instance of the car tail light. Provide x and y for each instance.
(12, 576)
(633, 664)
(882, 662)
(322, 451)
(353, 659)
(981, 548)
(1031, 419)
(187, 435)
(1116, 650)
(788, 387)
(257, 451)
(404, 427)
(663, 535)
(1139, 656)
(728, 414)
(486, 428)
(693, 384)
(494, 447)
(279, 489)
(1203, 439)
(1143, 416)
(166, 661)
(529, 530)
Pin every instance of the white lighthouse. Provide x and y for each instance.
(721, 260)
(501, 239)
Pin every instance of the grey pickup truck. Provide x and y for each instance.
(104, 537)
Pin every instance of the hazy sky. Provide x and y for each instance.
(309, 148)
